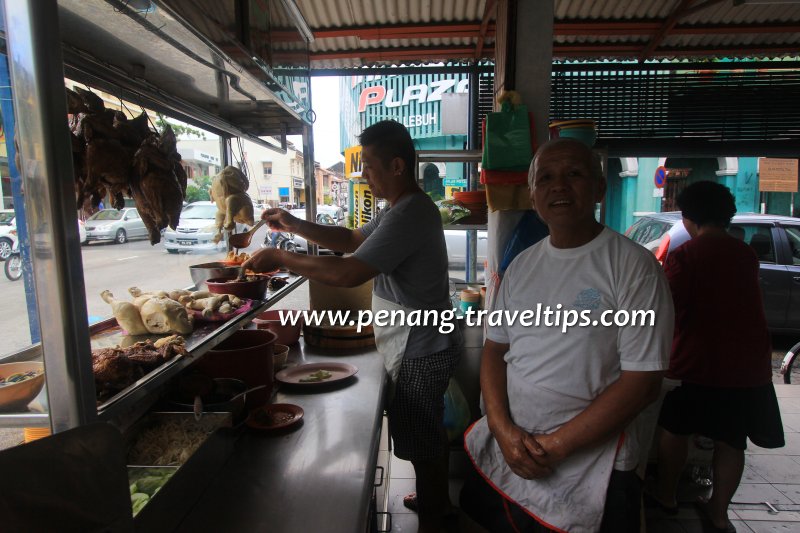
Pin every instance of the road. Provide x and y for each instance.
(117, 267)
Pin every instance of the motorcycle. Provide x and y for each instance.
(13, 265)
(279, 240)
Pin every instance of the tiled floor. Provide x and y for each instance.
(770, 476)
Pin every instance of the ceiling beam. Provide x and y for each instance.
(612, 28)
(630, 51)
(567, 27)
(488, 13)
(421, 53)
(407, 31)
(662, 32)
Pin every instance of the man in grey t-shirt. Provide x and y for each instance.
(403, 249)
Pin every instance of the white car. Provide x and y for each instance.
(195, 231)
(300, 243)
(8, 233)
(456, 241)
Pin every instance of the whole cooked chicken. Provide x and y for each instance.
(165, 315)
(127, 314)
(116, 368)
(121, 157)
(155, 187)
(229, 192)
(113, 369)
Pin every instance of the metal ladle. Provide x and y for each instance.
(242, 240)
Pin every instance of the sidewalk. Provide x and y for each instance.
(769, 476)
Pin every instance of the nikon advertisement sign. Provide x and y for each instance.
(363, 203)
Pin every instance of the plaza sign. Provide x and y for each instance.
(421, 93)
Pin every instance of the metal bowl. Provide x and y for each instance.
(205, 271)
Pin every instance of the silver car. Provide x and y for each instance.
(196, 230)
(113, 225)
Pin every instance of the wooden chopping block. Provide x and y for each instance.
(325, 297)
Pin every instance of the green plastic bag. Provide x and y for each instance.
(456, 411)
(507, 140)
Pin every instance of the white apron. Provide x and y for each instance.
(570, 499)
(390, 341)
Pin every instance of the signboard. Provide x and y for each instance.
(455, 182)
(265, 190)
(777, 175)
(352, 162)
(660, 178)
(363, 203)
(297, 183)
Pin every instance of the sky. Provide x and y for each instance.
(325, 102)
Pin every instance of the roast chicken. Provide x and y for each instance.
(156, 188)
(115, 156)
(116, 368)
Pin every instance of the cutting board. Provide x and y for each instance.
(338, 336)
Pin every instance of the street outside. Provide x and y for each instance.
(117, 267)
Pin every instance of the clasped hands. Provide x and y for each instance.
(529, 456)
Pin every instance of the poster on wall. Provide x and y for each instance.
(363, 203)
(777, 175)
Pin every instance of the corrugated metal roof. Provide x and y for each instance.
(347, 37)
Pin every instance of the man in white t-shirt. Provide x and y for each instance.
(560, 442)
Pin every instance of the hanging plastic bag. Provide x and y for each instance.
(456, 411)
(529, 230)
(507, 141)
(451, 211)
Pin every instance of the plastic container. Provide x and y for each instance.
(470, 299)
(245, 355)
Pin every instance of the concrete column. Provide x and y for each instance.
(534, 60)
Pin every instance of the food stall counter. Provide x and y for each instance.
(317, 475)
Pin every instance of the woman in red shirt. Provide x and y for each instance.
(720, 352)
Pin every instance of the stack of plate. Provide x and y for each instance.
(475, 201)
(582, 129)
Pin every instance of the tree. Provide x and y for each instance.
(161, 123)
(203, 182)
(196, 194)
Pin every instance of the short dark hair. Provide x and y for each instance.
(707, 204)
(390, 139)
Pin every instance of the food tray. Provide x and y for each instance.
(209, 423)
(205, 336)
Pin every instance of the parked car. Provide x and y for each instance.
(115, 225)
(456, 241)
(775, 240)
(6, 216)
(336, 212)
(300, 243)
(8, 234)
(195, 231)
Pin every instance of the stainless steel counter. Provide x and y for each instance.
(317, 477)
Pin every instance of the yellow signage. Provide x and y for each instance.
(777, 175)
(352, 162)
(364, 204)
